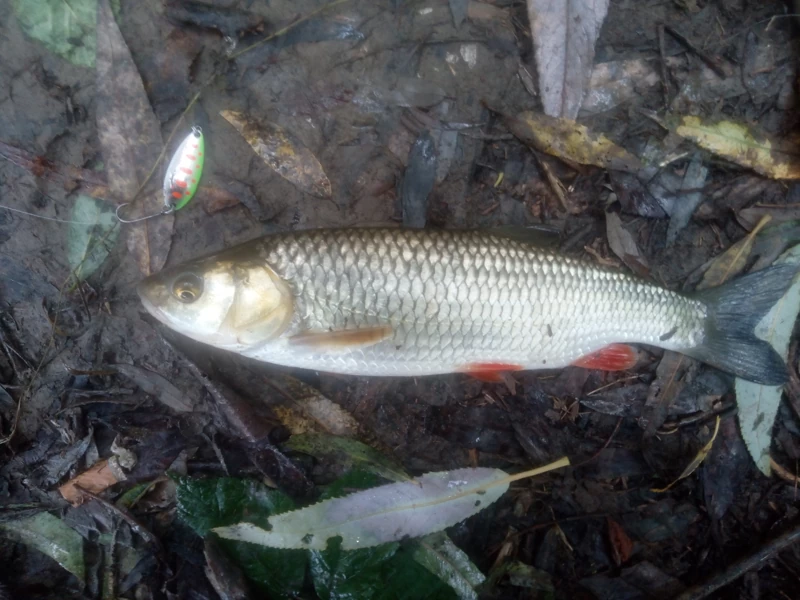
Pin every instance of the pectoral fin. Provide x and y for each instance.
(343, 340)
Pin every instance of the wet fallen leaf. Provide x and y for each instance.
(696, 461)
(282, 152)
(623, 244)
(224, 575)
(50, 536)
(229, 22)
(564, 35)
(617, 82)
(670, 380)
(418, 181)
(438, 554)
(66, 27)
(58, 465)
(130, 140)
(154, 384)
(733, 261)
(621, 544)
(307, 410)
(758, 404)
(746, 146)
(384, 514)
(348, 452)
(96, 479)
(459, 9)
(687, 201)
(88, 245)
(571, 141)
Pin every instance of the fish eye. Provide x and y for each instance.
(188, 287)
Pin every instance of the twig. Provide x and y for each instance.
(712, 62)
(603, 447)
(664, 75)
(741, 566)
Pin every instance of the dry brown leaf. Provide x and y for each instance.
(732, 262)
(750, 217)
(156, 385)
(746, 146)
(95, 479)
(564, 35)
(130, 139)
(570, 141)
(307, 410)
(284, 153)
(670, 380)
(621, 544)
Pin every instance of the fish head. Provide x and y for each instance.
(227, 303)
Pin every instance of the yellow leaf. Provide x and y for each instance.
(733, 260)
(570, 141)
(743, 145)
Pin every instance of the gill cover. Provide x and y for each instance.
(262, 307)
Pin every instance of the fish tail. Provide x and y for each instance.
(734, 310)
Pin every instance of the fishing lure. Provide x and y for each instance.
(183, 175)
(184, 170)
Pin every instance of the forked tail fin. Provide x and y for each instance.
(734, 310)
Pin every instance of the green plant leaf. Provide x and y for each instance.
(448, 562)
(347, 451)
(758, 404)
(341, 575)
(356, 479)
(66, 27)
(88, 245)
(49, 535)
(406, 579)
(207, 503)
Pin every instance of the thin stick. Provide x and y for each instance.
(741, 566)
(712, 62)
(603, 447)
(664, 75)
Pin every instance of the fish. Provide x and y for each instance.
(415, 302)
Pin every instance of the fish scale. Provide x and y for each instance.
(457, 298)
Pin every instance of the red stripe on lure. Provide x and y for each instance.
(183, 173)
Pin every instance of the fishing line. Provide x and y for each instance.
(57, 220)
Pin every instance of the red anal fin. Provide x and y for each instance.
(616, 357)
(489, 372)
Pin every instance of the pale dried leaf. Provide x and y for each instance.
(95, 479)
(307, 410)
(733, 261)
(697, 460)
(387, 513)
(758, 404)
(130, 140)
(744, 145)
(564, 34)
(282, 152)
(570, 141)
(623, 244)
(687, 201)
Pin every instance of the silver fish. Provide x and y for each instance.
(400, 302)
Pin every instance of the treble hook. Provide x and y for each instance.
(168, 209)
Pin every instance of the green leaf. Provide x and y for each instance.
(758, 404)
(49, 535)
(357, 479)
(91, 235)
(448, 562)
(66, 27)
(207, 503)
(405, 579)
(347, 451)
(340, 574)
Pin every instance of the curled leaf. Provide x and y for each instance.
(387, 513)
(570, 141)
(758, 404)
(746, 146)
(282, 152)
